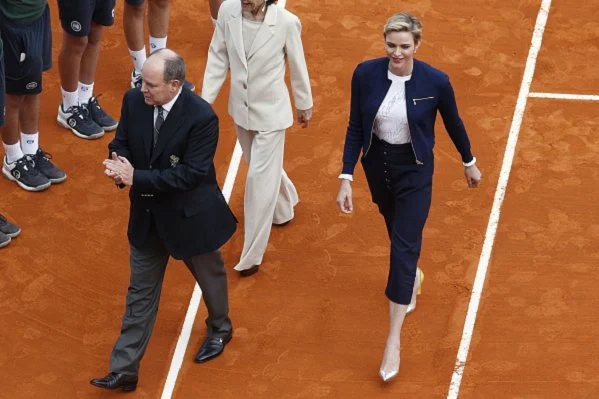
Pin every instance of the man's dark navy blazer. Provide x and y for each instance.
(427, 91)
(174, 183)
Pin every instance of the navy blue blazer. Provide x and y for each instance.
(427, 91)
(174, 184)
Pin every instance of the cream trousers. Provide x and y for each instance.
(269, 193)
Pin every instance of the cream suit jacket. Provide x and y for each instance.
(259, 98)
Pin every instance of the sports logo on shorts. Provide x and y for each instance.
(76, 26)
(31, 85)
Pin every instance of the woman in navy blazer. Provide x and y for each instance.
(394, 104)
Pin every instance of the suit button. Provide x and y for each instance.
(147, 211)
(245, 86)
(245, 103)
(150, 166)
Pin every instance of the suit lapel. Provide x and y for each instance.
(173, 120)
(266, 31)
(236, 32)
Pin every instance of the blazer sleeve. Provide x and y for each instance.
(217, 64)
(353, 137)
(196, 163)
(120, 143)
(300, 80)
(452, 121)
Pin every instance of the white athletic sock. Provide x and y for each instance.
(86, 91)
(157, 43)
(138, 57)
(69, 99)
(13, 152)
(29, 143)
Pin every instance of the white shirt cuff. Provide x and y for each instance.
(466, 164)
(345, 176)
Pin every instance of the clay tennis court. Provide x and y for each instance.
(313, 322)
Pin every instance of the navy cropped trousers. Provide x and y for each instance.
(401, 188)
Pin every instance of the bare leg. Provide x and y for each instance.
(391, 358)
(158, 17)
(11, 131)
(70, 59)
(29, 114)
(89, 62)
(133, 24)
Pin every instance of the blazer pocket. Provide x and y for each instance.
(193, 208)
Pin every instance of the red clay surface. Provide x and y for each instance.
(313, 322)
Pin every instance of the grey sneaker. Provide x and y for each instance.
(9, 229)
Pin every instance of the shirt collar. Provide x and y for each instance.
(167, 107)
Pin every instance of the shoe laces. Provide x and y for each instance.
(3, 219)
(25, 163)
(41, 154)
(80, 111)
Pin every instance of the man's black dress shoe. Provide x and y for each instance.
(250, 271)
(212, 347)
(126, 382)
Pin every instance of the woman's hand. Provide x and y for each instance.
(473, 176)
(344, 198)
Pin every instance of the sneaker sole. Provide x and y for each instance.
(59, 180)
(110, 128)
(23, 186)
(5, 243)
(76, 133)
(14, 235)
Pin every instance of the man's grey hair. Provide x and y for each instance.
(174, 69)
(174, 65)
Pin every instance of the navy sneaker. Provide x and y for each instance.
(9, 229)
(42, 162)
(24, 173)
(78, 119)
(102, 119)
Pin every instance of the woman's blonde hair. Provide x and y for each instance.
(404, 22)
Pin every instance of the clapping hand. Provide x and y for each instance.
(119, 169)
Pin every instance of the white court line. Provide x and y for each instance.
(483, 264)
(194, 302)
(564, 96)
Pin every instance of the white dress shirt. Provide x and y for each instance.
(166, 108)
(391, 122)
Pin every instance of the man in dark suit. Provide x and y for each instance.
(164, 149)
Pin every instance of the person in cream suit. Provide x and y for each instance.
(254, 39)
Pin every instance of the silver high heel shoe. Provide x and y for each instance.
(387, 376)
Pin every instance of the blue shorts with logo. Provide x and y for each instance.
(27, 53)
(76, 16)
